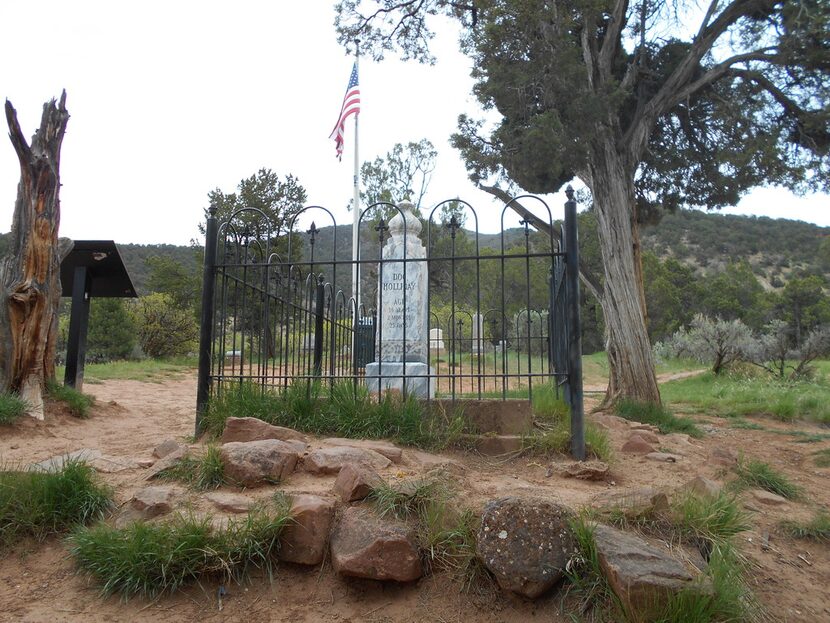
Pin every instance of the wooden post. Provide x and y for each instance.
(30, 273)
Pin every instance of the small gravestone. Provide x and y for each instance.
(403, 335)
(436, 341)
(478, 334)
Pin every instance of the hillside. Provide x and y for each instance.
(705, 241)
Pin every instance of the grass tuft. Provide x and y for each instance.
(203, 472)
(658, 415)
(39, 504)
(11, 408)
(548, 406)
(817, 529)
(587, 583)
(77, 402)
(756, 473)
(151, 559)
(708, 519)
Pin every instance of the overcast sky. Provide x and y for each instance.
(169, 100)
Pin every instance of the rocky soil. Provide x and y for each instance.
(136, 428)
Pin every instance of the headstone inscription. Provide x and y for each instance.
(402, 335)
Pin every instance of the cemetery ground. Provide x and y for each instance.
(742, 428)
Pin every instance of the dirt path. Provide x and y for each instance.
(38, 582)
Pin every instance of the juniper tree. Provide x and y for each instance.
(652, 104)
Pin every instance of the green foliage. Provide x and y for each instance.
(403, 173)
(206, 471)
(38, 504)
(151, 559)
(348, 412)
(817, 529)
(164, 330)
(587, 583)
(408, 499)
(11, 408)
(737, 395)
(754, 473)
(547, 406)
(181, 283)
(78, 403)
(659, 416)
(148, 370)
(111, 330)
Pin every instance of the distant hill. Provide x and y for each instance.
(707, 241)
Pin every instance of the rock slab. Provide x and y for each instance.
(364, 546)
(230, 502)
(637, 445)
(355, 482)
(641, 576)
(251, 463)
(387, 449)
(332, 460)
(304, 539)
(525, 543)
(166, 447)
(254, 429)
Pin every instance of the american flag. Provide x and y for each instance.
(351, 106)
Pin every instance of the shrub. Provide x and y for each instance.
(38, 504)
(77, 402)
(112, 332)
(163, 328)
(716, 342)
(11, 408)
(151, 559)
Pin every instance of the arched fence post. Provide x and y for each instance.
(574, 330)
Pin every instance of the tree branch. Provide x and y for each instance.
(722, 69)
(613, 34)
(591, 281)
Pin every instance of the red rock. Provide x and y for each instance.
(166, 463)
(250, 463)
(364, 546)
(389, 450)
(642, 576)
(768, 498)
(304, 539)
(647, 435)
(151, 502)
(254, 429)
(703, 487)
(587, 470)
(331, 460)
(723, 456)
(637, 445)
(355, 482)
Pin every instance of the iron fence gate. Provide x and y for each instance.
(436, 309)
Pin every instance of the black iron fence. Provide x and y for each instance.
(430, 308)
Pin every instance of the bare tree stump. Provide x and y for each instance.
(30, 273)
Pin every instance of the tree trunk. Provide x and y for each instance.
(630, 358)
(30, 273)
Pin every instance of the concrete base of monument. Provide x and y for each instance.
(382, 376)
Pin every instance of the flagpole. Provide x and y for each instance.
(356, 203)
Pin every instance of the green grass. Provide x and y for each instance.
(77, 402)
(701, 519)
(738, 395)
(151, 559)
(587, 585)
(203, 472)
(822, 458)
(148, 370)
(38, 504)
(11, 408)
(552, 416)
(349, 412)
(657, 415)
(817, 529)
(754, 473)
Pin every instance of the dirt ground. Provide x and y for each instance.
(39, 583)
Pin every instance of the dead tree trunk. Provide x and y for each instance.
(30, 273)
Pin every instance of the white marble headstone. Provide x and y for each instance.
(402, 336)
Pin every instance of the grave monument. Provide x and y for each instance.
(402, 336)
